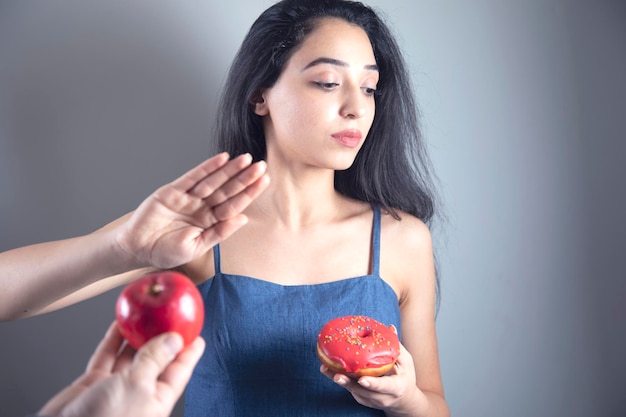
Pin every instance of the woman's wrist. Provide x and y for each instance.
(414, 403)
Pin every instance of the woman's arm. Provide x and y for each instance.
(413, 387)
(176, 224)
(417, 308)
(47, 276)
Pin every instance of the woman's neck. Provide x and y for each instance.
(298, 198)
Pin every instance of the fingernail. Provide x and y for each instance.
(174, 344)
(364, 383)
(340, 380)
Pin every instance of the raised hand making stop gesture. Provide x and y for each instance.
(185, 218)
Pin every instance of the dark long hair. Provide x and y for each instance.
(392, 168)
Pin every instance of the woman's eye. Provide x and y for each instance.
(327, 86)
(369, 91)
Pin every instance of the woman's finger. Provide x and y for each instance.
(404, 361)
(239, 202)
(380, 385)
(205, 187)
(188, 180)
(221, 221)
(237, 184)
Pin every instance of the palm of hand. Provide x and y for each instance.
(184, 219)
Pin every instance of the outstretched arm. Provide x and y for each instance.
(176, 224)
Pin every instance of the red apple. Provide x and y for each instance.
(157, 303)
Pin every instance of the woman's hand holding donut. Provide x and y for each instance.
(396, 392)
(185, 218)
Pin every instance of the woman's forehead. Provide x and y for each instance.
(338, 40)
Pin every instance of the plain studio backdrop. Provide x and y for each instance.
(523, 108)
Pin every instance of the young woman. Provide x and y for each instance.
(318, 100)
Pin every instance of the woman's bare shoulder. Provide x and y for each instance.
(408, 233)
(406, 253)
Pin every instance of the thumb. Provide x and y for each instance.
(153, 357)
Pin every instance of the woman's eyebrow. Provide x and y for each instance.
(332, 61)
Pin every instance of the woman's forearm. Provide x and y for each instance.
(33, 277)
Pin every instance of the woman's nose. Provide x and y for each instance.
(355, 104)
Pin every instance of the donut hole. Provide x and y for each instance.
(362, 332)
(365, 333)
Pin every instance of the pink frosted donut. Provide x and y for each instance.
(358, 346)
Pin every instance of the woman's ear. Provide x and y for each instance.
(259, 106)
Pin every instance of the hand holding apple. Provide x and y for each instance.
(157, 303)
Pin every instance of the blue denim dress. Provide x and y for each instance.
(260, 359)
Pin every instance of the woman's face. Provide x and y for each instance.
(320, 109)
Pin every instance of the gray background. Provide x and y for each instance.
(523, 109)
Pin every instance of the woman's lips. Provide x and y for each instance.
(350, 138)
